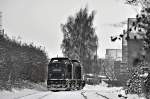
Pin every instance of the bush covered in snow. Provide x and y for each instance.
(20, 62)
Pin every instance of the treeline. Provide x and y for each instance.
(20, 63)
(80, 40)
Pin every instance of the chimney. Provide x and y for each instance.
(1, 29)
(0, 21)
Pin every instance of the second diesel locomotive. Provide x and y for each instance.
(64, 74)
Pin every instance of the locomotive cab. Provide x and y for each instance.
(78, 74)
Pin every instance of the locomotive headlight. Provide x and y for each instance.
(50, 75)
(63, 75)
(51, 82)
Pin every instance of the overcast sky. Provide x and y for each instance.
(38, 21)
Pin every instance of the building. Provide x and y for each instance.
(135, 44)
(1, 29)
(114, 54)
(132, 50)
(124, 48)
(0, 20)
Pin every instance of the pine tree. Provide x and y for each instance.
(80, 40)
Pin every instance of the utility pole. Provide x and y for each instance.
(0, 20)
(96, 55)
(1, 30)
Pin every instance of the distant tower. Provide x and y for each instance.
(1, 29)
(0, 20)
(124, 48)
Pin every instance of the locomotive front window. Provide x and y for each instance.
(56, 76)
(56, 70)
(60, 68)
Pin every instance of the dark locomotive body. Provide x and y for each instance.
(64, 74)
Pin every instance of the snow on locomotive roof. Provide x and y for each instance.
(74, 60)
(60, 58)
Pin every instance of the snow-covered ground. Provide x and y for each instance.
(89, 92)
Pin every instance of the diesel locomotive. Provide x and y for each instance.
(65, 74)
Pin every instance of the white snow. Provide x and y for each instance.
(15, 93)
(89, 92)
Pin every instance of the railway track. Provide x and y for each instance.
(85, 94)
(26, 95)
(102, 95)
(96, 93)
(82, 93)
(42, 95)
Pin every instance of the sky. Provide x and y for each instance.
(38, 21)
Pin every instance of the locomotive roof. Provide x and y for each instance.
(74, 60)
(60, 58)
(64, 58)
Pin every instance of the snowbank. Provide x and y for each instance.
(15, 93)
(101, 87)
(113, 91)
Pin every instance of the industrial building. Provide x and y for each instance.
(114, 54)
